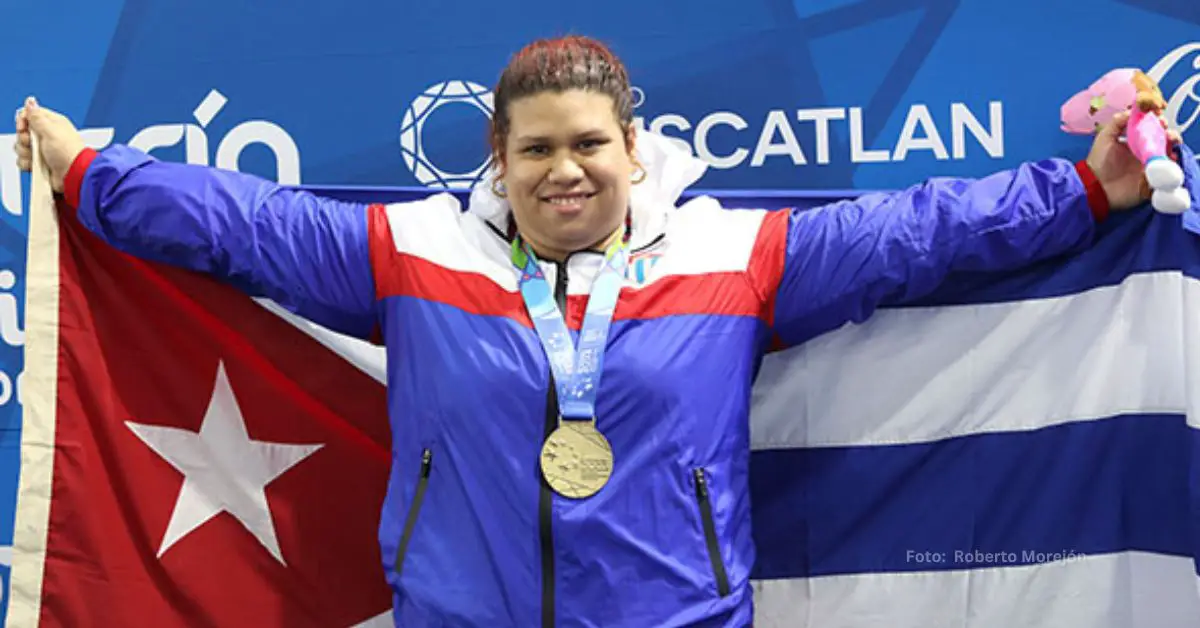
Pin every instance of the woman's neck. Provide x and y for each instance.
(556, 255)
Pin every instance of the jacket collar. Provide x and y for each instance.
(669, 171)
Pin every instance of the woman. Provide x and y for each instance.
(524, 489)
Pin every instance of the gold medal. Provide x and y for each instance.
(576, 460)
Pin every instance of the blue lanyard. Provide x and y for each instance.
(576, 373)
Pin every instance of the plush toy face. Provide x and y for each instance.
(1149, 96)
(1111, 94)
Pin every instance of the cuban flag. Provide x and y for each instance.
(1012, 450)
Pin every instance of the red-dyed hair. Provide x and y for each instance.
(560, 64)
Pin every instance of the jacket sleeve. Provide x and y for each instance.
(308, 254)
(840, 262)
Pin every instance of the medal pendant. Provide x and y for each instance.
(576, 459)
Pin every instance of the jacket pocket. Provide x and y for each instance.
(710, 532)
(414, 509)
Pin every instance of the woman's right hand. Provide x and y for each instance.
(58, 139)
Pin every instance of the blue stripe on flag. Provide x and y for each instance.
(1126, 244)
(975, 501)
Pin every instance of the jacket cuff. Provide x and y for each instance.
(73, 182)
(1097, 198)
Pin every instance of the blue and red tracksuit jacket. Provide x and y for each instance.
(470, 534)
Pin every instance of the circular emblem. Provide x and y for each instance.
(412, 139)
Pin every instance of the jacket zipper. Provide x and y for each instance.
(414, 509)
(710, 533)
(545, 497)
(656, 240)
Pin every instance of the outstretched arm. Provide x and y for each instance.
(310, 255)
(842, 261)
(838, 264)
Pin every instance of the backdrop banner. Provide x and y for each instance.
(818, 99)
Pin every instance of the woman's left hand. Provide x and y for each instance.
(1119, 171)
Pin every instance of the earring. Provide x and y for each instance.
(499, 192)
(641, 172)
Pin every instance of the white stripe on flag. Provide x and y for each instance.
(368, 358)
(382, 620)
(1110, 591)
(921, 375)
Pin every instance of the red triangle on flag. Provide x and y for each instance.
(211, 463)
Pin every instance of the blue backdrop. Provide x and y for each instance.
(776, 94)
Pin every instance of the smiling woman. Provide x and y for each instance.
(566, 168)
(570, 437)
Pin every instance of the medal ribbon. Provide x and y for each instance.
(576, 373)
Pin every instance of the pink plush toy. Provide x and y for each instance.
(1134, 91)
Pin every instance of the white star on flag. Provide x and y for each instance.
(224, 469)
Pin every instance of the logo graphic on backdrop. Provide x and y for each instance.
(195, 142)
(1181, 89)
(412, 137)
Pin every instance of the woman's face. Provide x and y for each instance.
(567, 166)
